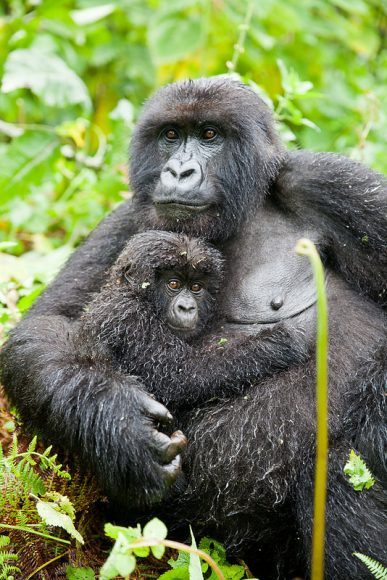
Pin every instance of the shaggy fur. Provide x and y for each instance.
(126, 324)
(250, 458)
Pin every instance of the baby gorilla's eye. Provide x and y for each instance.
(174, 284)
(171, 134)
(208, 134)
(196, 287)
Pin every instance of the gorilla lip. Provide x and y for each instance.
(179, 210)
(179, 204)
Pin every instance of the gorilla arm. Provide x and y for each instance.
(85, 406)
(185, 375)
(347, 202)
(80, 403)
(179, 373)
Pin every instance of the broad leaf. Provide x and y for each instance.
(46, 75)
(49, 513)
(173, 36)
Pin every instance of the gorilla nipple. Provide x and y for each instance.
(277, 303)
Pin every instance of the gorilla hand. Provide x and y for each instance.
(166, 449)
(136, 462)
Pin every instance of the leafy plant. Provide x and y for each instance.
(7, 560)
(30, 505)
(376, 568)
(132, 542)
(181, 567)
(358, 473)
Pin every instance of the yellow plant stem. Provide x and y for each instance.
(145, 542)
(29, 531)
(306, 248)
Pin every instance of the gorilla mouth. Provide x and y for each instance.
(177, 206)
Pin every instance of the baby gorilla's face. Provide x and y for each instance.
(186, 304)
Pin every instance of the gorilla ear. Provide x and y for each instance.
(126, 271)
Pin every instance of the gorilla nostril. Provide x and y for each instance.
(186, 173)
(171, 171)
(185, 308)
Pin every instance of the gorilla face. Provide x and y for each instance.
(184, 188)
(185, 302)
(204, 152)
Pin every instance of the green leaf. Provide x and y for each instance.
(73, 573)
(7, 245)
(155, 530)
(27, 301)
(49, 513)
(173, 36)
(359, 475)
(26, 162)
(195, 568)
(63, 503)
(46, 75)
(92, 14)
(120, 562)
(131, 534)
(176, 574)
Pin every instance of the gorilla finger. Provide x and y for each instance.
(161, 442)
(172, 470)
(169, 447)
(156, 411)
(177, 444)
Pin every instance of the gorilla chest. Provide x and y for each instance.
(266, 281)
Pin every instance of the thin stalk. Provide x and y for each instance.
(46, 564)
(29, 531)
(306, 248)
(239, 47)
(144, 543)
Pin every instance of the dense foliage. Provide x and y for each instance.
(75, 73)
(73, 77)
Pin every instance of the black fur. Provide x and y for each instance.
(249, 462)
(126, 323)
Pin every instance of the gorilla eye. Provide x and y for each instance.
(171, 134)
(208, 134)
(196, 287)
(174, 284)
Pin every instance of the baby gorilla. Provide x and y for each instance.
(149, 320)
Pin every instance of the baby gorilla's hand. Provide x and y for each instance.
(156, 457)
(167, 448)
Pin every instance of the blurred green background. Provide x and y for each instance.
(75, 73)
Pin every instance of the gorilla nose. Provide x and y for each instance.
(186, 308)
(181, 175)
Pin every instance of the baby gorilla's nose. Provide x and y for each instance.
(184, 312)
(186, 307)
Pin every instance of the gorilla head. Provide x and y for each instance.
(160, 278)
(203, 154)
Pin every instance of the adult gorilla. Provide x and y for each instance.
(206, 161)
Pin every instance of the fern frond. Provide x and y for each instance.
(375, 567)
(28, 478)
(7, 570)
(14, 448)
(32, 445)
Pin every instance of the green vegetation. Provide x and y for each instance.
(358, 473)
(75, 73)
(376, 568)
(73, 77)
(31, 508)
